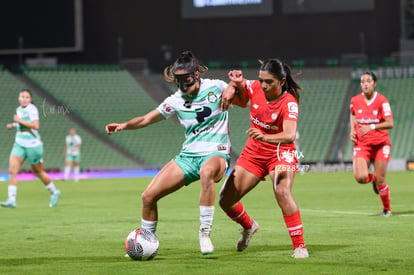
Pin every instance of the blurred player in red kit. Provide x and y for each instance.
(371, 117)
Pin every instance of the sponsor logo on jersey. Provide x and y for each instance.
(221, 147)
(167, 108)
(293, 109)
(387, 109)
(368, 121)
(262, 124)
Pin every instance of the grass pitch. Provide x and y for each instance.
(85, 233)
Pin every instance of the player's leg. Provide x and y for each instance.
(168, 180)
(68, 165)
(380, 166)
(282, 177)
(211, 172)
(361, 171)
(76, 170)
(238, 184)
(35, 156)
(15, 163)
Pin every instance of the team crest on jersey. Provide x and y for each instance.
(255, 106)
(359, 111)
(274, 116)
(375, 112)
(211, 97)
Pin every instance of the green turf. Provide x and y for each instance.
(85, 233)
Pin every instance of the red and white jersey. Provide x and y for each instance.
(269, 117)
(373, 112)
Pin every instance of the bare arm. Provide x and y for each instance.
(286, 137)
(135, 123)
(236, 92)
(353, 123)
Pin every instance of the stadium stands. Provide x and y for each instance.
(104, 95)
(54, 126)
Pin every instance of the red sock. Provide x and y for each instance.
(294, 226)
(370, 178)
(384, 193)
(239, 215)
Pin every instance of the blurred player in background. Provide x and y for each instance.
(205, 153)
(269, 150)
(71, 153)
(28, 145)
(371, 117)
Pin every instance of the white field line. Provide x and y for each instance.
(348, 212)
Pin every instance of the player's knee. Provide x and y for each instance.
(282, 193)
(361, 178)
(147, 198)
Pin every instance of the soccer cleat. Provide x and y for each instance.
(54, 198)
(246, 235)
(386, 213)
(374, 187)
(9, 203)
(300, 253)
(206, 246)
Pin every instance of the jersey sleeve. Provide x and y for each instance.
(351, 107)
(33, 114)
(386, 108)
(166, 108)
(291, 112)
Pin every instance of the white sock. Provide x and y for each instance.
(51, 187)
(149, 225)
(12, 191)
(66, 173)
(206, 218)
(76, 172)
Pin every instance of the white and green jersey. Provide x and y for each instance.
(72, 143)
(27, 137)
(206, 125)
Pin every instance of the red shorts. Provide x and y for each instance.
(261, 166)
(373, 152)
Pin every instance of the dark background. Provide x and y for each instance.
(148, 28)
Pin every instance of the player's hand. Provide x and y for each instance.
(364, 129)
(236, 76)
(227, 97)
(9, 126)
(353, 136)
(255, 134)
(114, 127)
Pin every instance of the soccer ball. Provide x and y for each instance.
(142, 245)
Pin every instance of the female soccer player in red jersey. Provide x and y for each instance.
(371, 117)
(269, 150)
